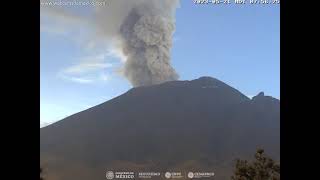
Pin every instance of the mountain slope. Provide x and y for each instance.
(186, 125)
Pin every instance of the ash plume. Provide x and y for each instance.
(147, 41)
(144, 30)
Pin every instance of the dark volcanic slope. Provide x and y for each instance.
(185, 125)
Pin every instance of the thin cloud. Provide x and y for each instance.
(92, 78)
(89, 64)
(89, 79)
(89, 70)
(86, 67)
(78, 27)
(80, 80)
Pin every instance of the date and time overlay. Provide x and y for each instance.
(237, 2)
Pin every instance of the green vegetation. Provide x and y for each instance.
(262, 168)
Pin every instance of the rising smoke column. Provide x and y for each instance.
(146, 36)
(142, 31)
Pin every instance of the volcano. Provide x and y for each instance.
(199, 125)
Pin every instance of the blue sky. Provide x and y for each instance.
(238, 44)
